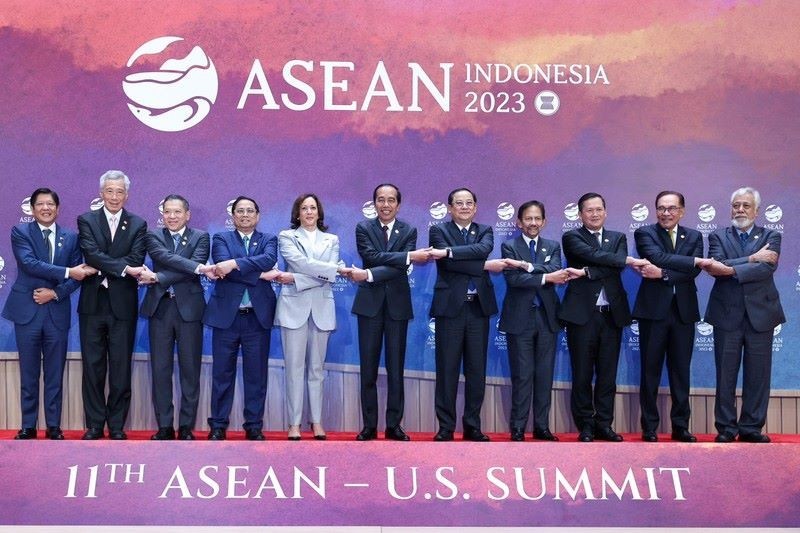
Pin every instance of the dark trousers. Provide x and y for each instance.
(246, 333)
(531, 357)
(594, 351)
(753, 350)
(372, 333)
(461, 338)
(671, 340)
(166, 328)
(41, 346)
(106, 348)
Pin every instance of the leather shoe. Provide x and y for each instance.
(586, 434)
(396, 433)
(93, 434)
(607, 434)
(117, 434)
(54, 433)
(683, 435)
(758, 438)
(443, 435)
(475, 435)
(367, 434)
(517, 435)
(544, 434)
(651, 436)
(25, 434)
(185, 433)
(254, 434)
(164, 433)
(725, 437)
(217, 434)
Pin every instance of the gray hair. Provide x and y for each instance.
(747, 190)
(115, 175)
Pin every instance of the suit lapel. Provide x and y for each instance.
(680, 239)
(753, 240)
(185, 240)
(522, 249)
(37, 238)
(590, 237)
(664, 238)
(59, 248)
(733, 241)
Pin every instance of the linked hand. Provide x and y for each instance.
(651, 272)
(358, 274)
(209, 271)
(575, 273)
(271, 275)
(495, 265)
(422, 255)
(226, 267)
(764, 255)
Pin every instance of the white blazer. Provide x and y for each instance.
(314, 267)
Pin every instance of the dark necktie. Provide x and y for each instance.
(385, 233)
(537, 300)
(743, 240)
(47, 244)
(599, 236)
(246, 295)
(176, 239)
(465, 236)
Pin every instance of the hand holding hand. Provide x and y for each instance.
(226, 267)
(42, 295)
(651, 272)
(764, 255)
(495, 265)
(358, 274)
(421, 255)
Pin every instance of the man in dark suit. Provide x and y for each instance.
(463, 301)
(49, 269)
(174, 303)
(666, 308)
(744, 307)
(383, 306)
(241, 311)
(595, 308)
(530, 319)
(113, 242)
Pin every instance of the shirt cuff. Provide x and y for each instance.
(369, 276)
(66, 272)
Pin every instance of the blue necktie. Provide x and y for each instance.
(743, 240)
(537, 300)
(246, 295)
(46, 234)
(176, 238)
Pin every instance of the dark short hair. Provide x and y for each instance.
(241, 198)
(295, 221)
(532, 203)
(454, 191)
(177, 197)
(588, 196)
(392, 185)
(667, 193)
(44, 190)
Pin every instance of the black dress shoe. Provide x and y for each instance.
(93, 434)
(185, 433)
(217, 434)
(517, 435)
(54, 433)
(586, 434)
(544, 434)
(396, 433)
(683, 435)
(117, 434)
(443, 435)
(164, 433)
(725, 437)
(758, 438)
(475, 435)
(367, 434)
(650, 436)
(25, 434)
(254, 434)
(607, 434)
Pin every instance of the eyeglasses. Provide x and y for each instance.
(243, 211)
(460, 203)
(670, 209)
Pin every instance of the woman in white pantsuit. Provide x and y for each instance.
(305, 310)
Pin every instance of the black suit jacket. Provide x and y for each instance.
(522, 287)
(111, 258)
(655, 296)
(387, 262)
(177, 270)
(753, 289)
(605, 264)
(454, 274)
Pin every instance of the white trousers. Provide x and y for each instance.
(304, 351)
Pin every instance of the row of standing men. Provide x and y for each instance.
(744, 307)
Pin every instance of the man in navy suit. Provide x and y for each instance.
(666, 308)
(49, 269)
(530, 319)
(463, 301)
(112, 240)
(595, 308)
(174, 303)
(744, 307)
(241, 311)
(383, 306)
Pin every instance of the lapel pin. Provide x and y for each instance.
(605, 240)
(397, 231)
(254, 244)
(472, 232)
(683, 236)
(544, 249)
(755, 237)
(59, 245)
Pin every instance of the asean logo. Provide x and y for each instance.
(639, 212)
(178, 95)
(368, 210)
(505, 211)
(437, 210)
(705, 329)
(571, 211)
(773, 213)
(26, 206)
(706, 212)
(95, 204)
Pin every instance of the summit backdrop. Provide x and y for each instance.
(516, 100)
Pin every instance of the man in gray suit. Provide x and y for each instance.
(174, 303)
(744, 307)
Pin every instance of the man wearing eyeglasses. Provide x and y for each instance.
(666, 308)
(241, 311)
